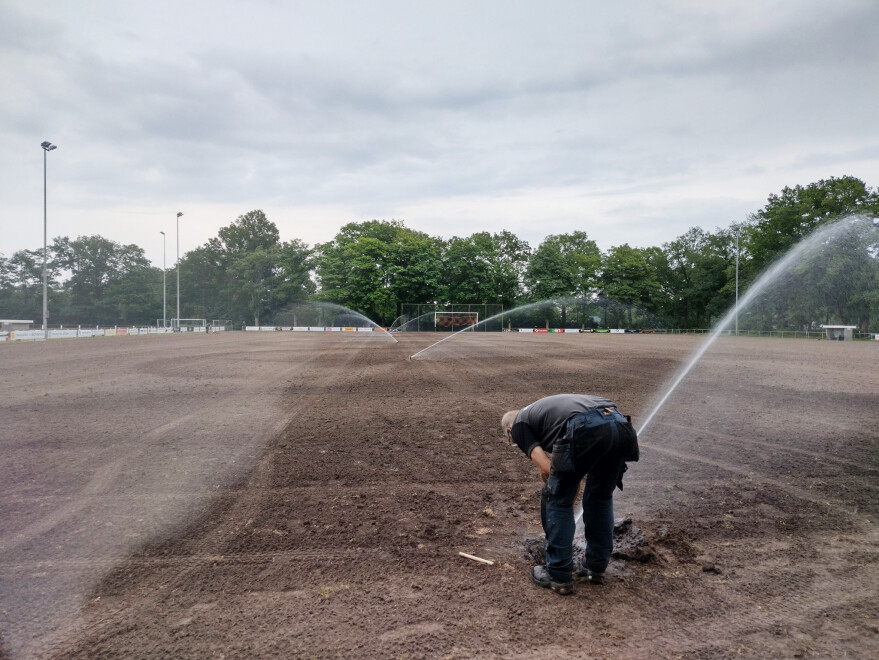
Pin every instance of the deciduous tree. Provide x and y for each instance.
(97, 267)
(374, 266)
(484, 268)
(796, 212)
(628, 277)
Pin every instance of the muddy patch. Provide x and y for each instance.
(630, 543)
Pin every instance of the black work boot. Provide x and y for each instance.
(541, 577)
(590, 576)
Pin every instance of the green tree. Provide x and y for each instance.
(834, 281)
(563, 265)
(294, 277)
(798, 211)
(97, 265)
(627, 277)
(21, 285)
(252, 276)
(203, 280)
(135, 296)
(484, 269)
(661, 302)
(247, 233)
(700, 277)
(239, 275)
(513, 256)
(415, 267)
(374, 266)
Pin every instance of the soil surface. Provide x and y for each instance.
(284, 495)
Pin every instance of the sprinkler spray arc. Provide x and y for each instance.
(334, 308)
(562, 300)
(769, 276)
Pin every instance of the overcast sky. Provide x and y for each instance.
(632, 121)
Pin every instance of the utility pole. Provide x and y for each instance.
(738, 231)
(178, 268)
(164, 286)
(47, 147)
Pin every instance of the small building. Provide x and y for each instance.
(8, 325)
(840, 332)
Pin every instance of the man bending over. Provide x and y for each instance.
(569, 437)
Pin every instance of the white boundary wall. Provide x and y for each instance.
(567, 331)
(82, 333)
(311, 328)
(320, 328)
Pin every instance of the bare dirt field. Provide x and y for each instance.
(307, 495)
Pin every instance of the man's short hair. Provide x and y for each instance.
(507, 420)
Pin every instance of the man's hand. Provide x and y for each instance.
(541, 460)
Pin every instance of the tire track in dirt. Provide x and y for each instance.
(193, 560)
(248, 496)
(103, 478)
(201, 546)
(825, 457)
(751, 475)
(46, 629)
(723, 630)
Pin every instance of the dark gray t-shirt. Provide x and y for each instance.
(546, 420)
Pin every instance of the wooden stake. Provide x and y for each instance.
(475, 558)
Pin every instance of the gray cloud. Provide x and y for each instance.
(381, 107)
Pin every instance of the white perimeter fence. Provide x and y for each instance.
(80, 333)
(790, 334)
(613, 331)
(310, 328)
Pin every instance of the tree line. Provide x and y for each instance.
(246, 274)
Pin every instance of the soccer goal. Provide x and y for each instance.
(455, 320)
(448, 317)
(221, 325)
(189, 325)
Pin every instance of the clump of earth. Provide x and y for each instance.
(630, 543)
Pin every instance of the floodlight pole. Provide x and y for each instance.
(737, 281)
(178, 268)
(47, 147)
(164, 286)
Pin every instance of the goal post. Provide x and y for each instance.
(454, 320)
(449, 317)
(189, 325)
